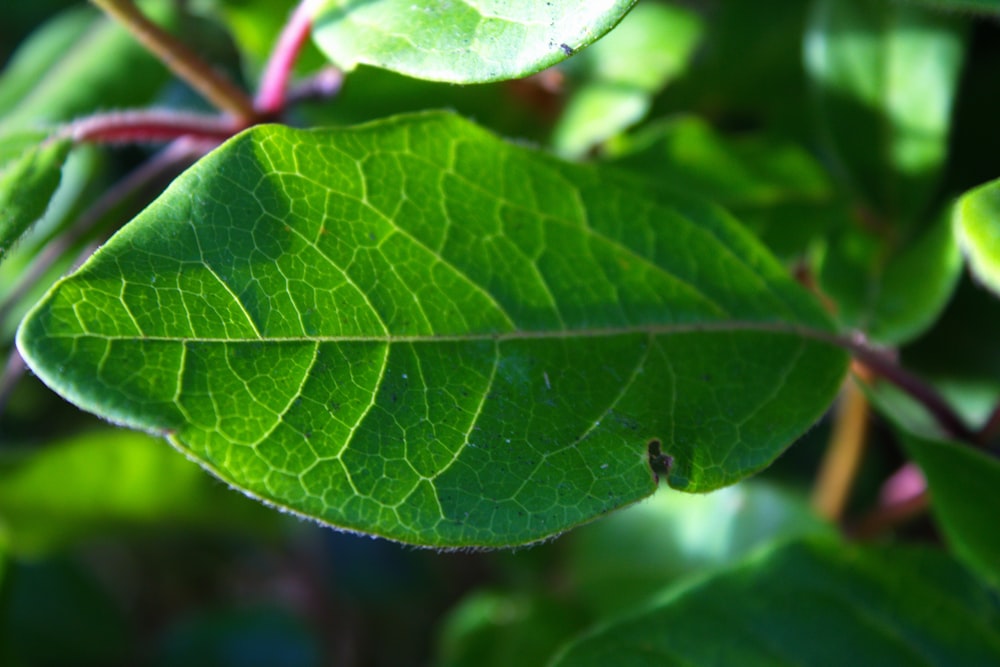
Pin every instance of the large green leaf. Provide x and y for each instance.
(811, 604)
(963, 485)
(977, 225)
(30, 168)
(417, 330)
(461, 42)
(773, 186)
(886, 75)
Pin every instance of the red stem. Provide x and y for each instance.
(152, 126)
(274, 83)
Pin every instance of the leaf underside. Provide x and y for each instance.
(415, 330)
(485, 40)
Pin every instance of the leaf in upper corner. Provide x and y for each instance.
(461, 42)
(416, 330)
(977, 225)
(775, 187)
(963, 484)
(810, 604)
(891, 294)
(75, 65)
(30, 168)
(885, 75)
(621, 73)
(979, 6)
(108, 481)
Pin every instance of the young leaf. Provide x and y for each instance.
(977, 226)
(893, 296)
(963, 485)
(885, 75)
(30, 168)
(416, 330)
(810, 604)
(461, 42)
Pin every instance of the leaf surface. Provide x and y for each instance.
(810, 604)
(416, 330)
(977, 225)
(30, 168)
(963, 485)
(461, 42)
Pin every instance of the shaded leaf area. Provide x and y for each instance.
(983, 6)
(621, 562)
(110, 481)
(775, 187)
(891, 292)
(486, 40)
(416, 330)
(815, 604)
(977, 225)
(963, 484)
(618, 76)
(30, 168)
(75, 65)
(885, 75)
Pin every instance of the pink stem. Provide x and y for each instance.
(151, 126)
(273, 85)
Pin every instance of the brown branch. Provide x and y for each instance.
(843, 454)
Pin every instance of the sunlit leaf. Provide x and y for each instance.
(810, 604)
(485, 40)
(30, 168)
(886, 74)
(417, 330)
(977, 225)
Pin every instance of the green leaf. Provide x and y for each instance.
(886, 75)
(963, 485)
(461, 42)
(108, 481)
(977, 226)
(76, 65)
(622, 73)
(892, 295)
(30, 168)
(980, 6)
(416, 330)
(810, 604)
(773, 186)
(622, 561)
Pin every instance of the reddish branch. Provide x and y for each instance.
(271, 98)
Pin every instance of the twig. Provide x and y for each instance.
(324, 84)
(991, 429)
(12, 373)
(274, 83)
(151, 126)
(181, 60)
(843, 454)
(171, 157)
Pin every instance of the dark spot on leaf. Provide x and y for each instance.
(659, 462)
(567, 49)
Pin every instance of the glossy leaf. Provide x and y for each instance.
(485, 40)
(621, 73)
(891, 294)
(977, 225)
(886, 74)
(104, 482)
(810, 604)
(963, 485)
(30, 168)
(416, 330)
(773, 186)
